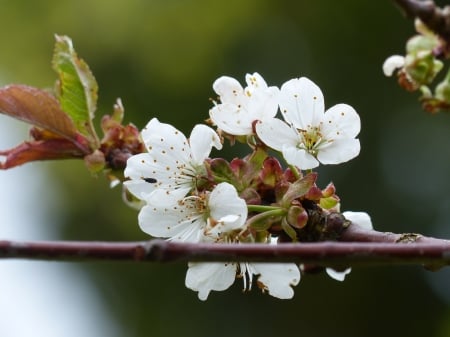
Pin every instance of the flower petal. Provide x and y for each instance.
(276, 134)
(204, 277)
(255, 81)
(161, 168)
(340, 121)
(392, 63)
(339, 151)
(227, 209)
(301, 102)
(338, 275)
(165, 217)
(233, 119)
(361, 218)
(299, 157)
(229, 89)
(236, 115)
(160, 137)
(277, 278)
(137, 171)
(202, 139)
(263, 104)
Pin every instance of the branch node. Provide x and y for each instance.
(408, 238)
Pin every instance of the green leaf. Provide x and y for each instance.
(328, 203)
(77, 88)
(36, 107)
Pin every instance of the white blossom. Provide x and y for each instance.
(239, 108)
(310, 134)
(276, 279)
(172, 163)
(191, 219)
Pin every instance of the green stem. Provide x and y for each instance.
(295, 171)
(264, 220)
(262, 208)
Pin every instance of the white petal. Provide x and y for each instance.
(263, 104)
(340, 121)
(204, 277)
(229, 89)
(231, 118)
(169, 164)
(160, 169)
(339, 151)
(255, 81)
(277, 278)
(360, 218)
(227, 209)
(299, 157)
(232, 218)
(276, 134)
(159, 136)
(202, 139)
(338, 275)
(301, 102)
(392, 63)
(167, 141)
(137, 171)
(172, 221)
(257, 102)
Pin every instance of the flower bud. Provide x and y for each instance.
(443, 89)
(297, 217)
(271, 171)
(420, 43)
(95, 161)
(422, 67)
(329, 191)
(314, 193)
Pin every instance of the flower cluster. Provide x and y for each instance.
(188, 196)
(419, 67)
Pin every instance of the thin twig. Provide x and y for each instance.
(435, 18)
(378, 249)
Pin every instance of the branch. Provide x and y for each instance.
(435, 18)
(377, 249)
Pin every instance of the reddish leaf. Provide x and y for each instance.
(56, 148)
(37, 107)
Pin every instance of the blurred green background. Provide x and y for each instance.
(161, 58)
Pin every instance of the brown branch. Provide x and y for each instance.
(355, 233)
(435, 18)
(377, 249)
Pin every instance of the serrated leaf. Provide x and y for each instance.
(77, 88)
(36, 107)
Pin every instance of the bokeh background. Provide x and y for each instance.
(161, 58)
